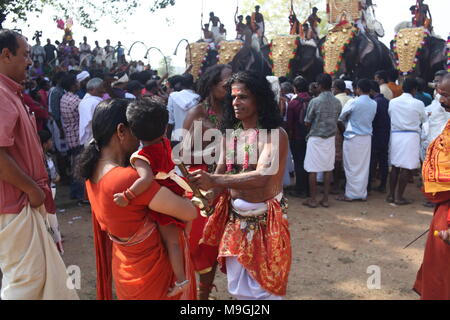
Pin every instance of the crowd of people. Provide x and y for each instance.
(84, 127)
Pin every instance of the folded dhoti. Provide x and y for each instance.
(31, 265)
(404, 149)
(255, 247)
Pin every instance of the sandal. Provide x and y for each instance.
(390, 199)
(344, 199)
(310, 204)
(403, 202)
(324, 204)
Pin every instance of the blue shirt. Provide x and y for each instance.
(358, 116)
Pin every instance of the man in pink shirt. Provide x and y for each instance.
(31, 265)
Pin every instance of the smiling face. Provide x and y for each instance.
(244, 103)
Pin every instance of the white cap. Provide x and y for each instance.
(83, 76)
(349, 85)
(124, 79)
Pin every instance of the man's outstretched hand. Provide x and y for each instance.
(201, 180)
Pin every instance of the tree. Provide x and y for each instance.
(162, 66)
(276, 14)
(86, 12)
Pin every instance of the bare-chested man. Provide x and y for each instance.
(258, 22)
(239, 22)
(215, 25)
(249, 221)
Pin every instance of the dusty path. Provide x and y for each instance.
(332, 248)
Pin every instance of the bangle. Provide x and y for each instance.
(129, 194)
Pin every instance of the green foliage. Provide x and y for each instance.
(276, 14)
(162, 67)
(85, 12)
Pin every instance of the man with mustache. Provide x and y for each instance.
(433, 278)
(31, 265)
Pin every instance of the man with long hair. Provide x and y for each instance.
(249, 223)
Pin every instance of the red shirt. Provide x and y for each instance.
(19, 139)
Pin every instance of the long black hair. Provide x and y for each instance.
(107, 116)
(208, 80)
(269, 116)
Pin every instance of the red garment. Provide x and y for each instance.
(44, 98)
(160, 157)
(141, 271)
(19, 138)
(433, 277)
(203, 256)
(267, 257)
(296, 116)
(39, 112)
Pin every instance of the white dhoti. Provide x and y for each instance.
(404, 150)
(241, 284)
(216, 33)
(260, 30)
(320, 154)
(31, 265)
(356, 154)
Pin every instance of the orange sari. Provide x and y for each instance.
(267, 256)
(433, 277)
(141, 270)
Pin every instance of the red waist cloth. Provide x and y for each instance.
(160, 157)
(267, 256)
(203, 256)
(433, 277)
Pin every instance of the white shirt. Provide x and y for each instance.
(87, 108)
(437, 120)
(178, 106)
(386, 91)
(407, 113)
(129, 96)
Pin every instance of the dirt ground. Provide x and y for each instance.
(332, 248)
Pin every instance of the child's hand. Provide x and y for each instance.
(120, 200)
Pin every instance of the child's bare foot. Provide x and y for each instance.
(120, 200)
(178, 288)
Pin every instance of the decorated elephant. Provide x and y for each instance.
(346, 50)
(418, 53)
(291, 56)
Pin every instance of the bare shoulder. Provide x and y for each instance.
(195, 113)
(281, 133)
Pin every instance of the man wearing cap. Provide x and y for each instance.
(83, 78)
(134, 90)
(95, 92)
(117, 89)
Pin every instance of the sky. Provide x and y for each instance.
(165, 28)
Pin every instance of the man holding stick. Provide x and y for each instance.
(249, 221)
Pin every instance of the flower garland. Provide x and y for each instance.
(250, 138)
(332, 52)
(405, 39)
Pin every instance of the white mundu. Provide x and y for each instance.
(407, 116)
(31, 264)
(240, 283)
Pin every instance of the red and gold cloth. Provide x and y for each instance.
(433, 277)
(267, 256)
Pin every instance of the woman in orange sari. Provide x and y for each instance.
(127, 242)
(433, 278)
